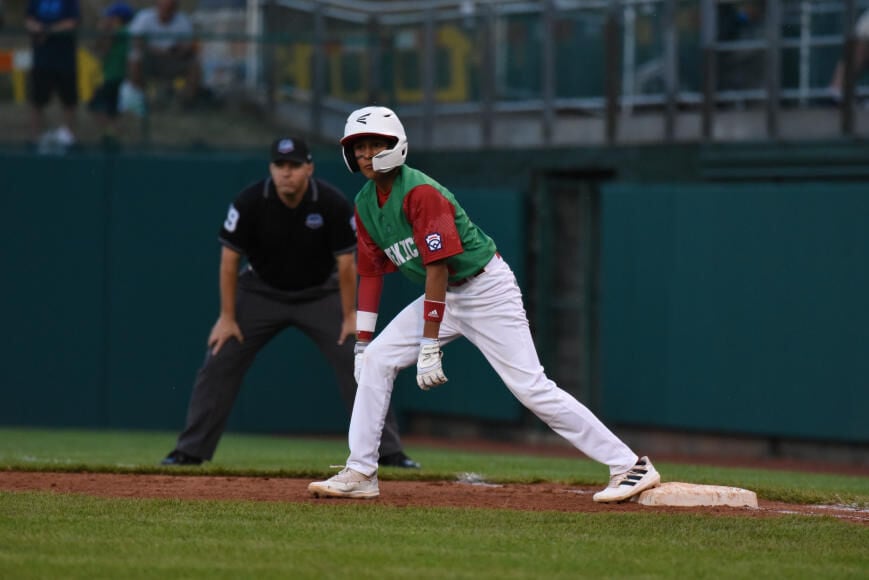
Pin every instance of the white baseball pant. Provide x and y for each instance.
(488, 311)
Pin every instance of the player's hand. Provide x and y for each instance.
(429, 372)
(359, 358)
(223, 330)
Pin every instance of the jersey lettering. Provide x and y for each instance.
(231, 219)
(402, 251)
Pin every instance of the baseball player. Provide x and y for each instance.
(297, 235)
(408, 222)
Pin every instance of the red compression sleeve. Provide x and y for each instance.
(368, 301)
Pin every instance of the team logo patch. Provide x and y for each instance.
(286, 146)
(434, 242)
(314, 221)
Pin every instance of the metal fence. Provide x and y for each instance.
(548, 62)
(484, 73)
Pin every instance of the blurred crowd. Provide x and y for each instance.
(141, 52)
(151, 56)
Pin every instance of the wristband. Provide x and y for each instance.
(433, 310)
(366, 322)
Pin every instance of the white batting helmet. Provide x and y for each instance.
(376, 122)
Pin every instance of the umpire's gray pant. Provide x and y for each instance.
(261, 314)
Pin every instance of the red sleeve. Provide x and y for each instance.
(371, 261)
(370, 289)
(433, 219)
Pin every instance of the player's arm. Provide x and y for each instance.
(226, 326)
(347, 288)
(436, 274)
(432, 218)
(429, 370)
(372, 264)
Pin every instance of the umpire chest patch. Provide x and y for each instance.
(314, 221)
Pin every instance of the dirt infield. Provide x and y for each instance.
(536, 497)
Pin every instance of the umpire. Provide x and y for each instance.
(298, 236)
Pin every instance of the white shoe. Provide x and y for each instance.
(347, 483)
(637, 479)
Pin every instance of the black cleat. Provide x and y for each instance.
(181, 458)
(398, 459)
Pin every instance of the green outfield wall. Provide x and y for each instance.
(734, 307)
(737, 308)
(111, 268)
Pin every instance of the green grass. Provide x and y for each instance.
(50, 536)
(47, 535)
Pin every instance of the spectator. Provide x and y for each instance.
(740, 70)
(163, 48)
(112, 47)
(297, 235)
(861, 58)
(52, 25)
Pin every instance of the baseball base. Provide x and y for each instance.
(690, 495)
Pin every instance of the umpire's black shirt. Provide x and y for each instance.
(290, 249)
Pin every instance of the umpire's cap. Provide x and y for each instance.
(290, 149)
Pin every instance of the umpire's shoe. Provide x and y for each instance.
(348, 483)
(637, 479)
(181, 458)
(398, 459)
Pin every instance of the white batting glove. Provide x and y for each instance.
(359, 358)
(429, 372)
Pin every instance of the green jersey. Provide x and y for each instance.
(115, 60)
(466, 247)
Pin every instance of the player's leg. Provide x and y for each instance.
(489, 312)
(219, 379)
(320, 320)
(396, 347)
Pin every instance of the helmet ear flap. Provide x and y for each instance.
(350, 158)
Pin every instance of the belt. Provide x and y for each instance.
(466, 279)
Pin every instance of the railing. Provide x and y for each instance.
(481, 73)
